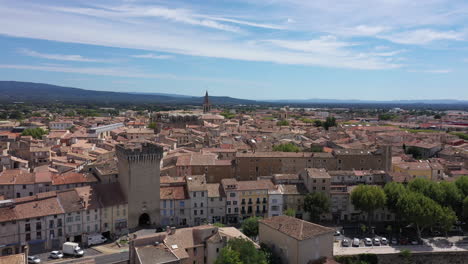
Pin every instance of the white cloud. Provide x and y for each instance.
(436, 71)
(323, 44)
(152, 56)
(125, 72)
(43, 23)
(60, 57)
(176, 15)
(422, 36)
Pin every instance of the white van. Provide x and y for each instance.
(96, 240)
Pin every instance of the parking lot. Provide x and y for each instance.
(455, 243)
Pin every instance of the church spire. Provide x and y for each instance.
(206, 104)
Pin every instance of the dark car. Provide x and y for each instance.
(403, 241)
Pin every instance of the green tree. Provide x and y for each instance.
(329, 122)
(393, 191)
(218, 224)
(16, 115)
(228, 256)
(462, 184)
(452, 196)
(152, 125)
(428, 188)
(465, 208)
(36, 133)
(316, 149)
(286, 147)
(419, 210)
(282, 123)
(248, 254)
(250, 226)
(290, 212)
(317, 123)
(368, 198)
(315, 204)
(447, 218)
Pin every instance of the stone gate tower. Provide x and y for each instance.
(139, 177)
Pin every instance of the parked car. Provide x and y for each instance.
(403, 241)
(96, 239)
(384, 241)
(337, 233)
(376, 242)
(367, 242)
(394, 241)
(356, 242)
(56, 254)
(345, 243)
(415, 242)
(33, 260)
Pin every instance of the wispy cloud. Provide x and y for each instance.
(435, 71)
(422, 36)
(326, 51)
(152, 56)
(125, 72)
(60, 57)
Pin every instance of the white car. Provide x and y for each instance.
(367, 242)
(376, 242)
(56, 254)
(33, 260)
(356, 242)
(384, 241)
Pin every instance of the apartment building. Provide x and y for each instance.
(198, 193)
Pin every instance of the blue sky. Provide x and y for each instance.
(253, 49)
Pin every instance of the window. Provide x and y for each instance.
(27, 227)
(59, 232)
(69, 219)
(51, 223)
(28, 237)
(202, 194)
(95, 227)
(228, 202)
(234, 202)
(201, 204)
(323, 188)
(212, 211)
(77, 218)
(229, 210)
(182, 211)
(232, 195)
(88, 229)
(201, 212)
(164, 203)
(195, 212)
(38, 226)
(88, 218)
(195, 205)
(24, 187)
(39, 235)
(78, 227)
(182, 203)
(212, 199)
(69, 229)
(194, 194)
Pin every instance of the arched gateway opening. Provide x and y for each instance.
(144, 220)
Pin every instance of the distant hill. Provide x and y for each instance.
(11, 91)
(356, 101)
